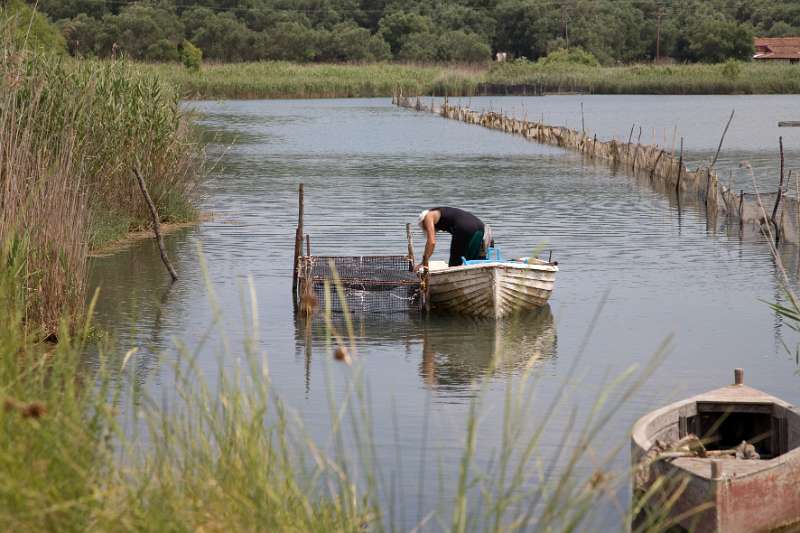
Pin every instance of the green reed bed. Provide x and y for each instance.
(279, 79)
(727, 78)
(289, 80)
(70, 133)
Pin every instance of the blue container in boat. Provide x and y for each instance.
(493, 255)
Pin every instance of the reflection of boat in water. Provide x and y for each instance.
(456, 350)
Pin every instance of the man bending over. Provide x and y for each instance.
(468, 232)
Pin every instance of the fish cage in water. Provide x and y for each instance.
(369, 283)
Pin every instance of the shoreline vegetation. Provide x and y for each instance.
(281, 79)
(70, 135)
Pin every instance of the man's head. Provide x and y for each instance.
(421, 218)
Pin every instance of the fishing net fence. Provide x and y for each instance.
(662, 166)
(370, 284)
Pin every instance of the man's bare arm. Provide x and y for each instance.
(430, 239)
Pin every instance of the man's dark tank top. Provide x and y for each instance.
(457, 222)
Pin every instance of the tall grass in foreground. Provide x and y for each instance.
(278, 79)
(234, 457)
(70, 134)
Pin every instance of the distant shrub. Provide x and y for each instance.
(731, 69)
(569, 56)
(32, 29)
(191, 56)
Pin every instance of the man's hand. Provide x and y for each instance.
(419, 267)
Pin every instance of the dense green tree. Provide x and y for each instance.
(349, 42)
(781, 29)
(81, 34)
(397, 27)
(462, 46)
(291, 41)
(220, 36)
(447, 46)
(65, 9)
(525, 26)
(32, 29)
(614, 31)
(713, 40)
(142, 32)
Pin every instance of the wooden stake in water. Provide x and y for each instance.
(298, 242)
(410, 246)
(780, 193)
(680, 171)
(156, 224)
(722, 138)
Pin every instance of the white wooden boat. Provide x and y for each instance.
(491, 289)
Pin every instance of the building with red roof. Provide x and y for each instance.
(785, 49)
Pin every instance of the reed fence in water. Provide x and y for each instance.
(774, 213)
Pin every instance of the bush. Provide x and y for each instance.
(569, 56)
(191, 56)
(32, 30)
(731, 69)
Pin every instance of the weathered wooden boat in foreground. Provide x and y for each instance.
(491, 289)
(743, 477)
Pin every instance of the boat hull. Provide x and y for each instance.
(491, 290)
(743, 495)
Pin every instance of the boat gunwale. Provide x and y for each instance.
(719, 396)
(544, 267)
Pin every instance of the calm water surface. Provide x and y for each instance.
(663, 120)
(647, 271)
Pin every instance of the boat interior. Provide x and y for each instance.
(771, 428)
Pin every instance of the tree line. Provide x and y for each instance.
(613, 31)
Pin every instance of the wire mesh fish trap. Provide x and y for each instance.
(370, 283)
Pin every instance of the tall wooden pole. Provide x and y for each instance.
(780, 193)
(298, 242)
(680, 170)
(410, 246)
